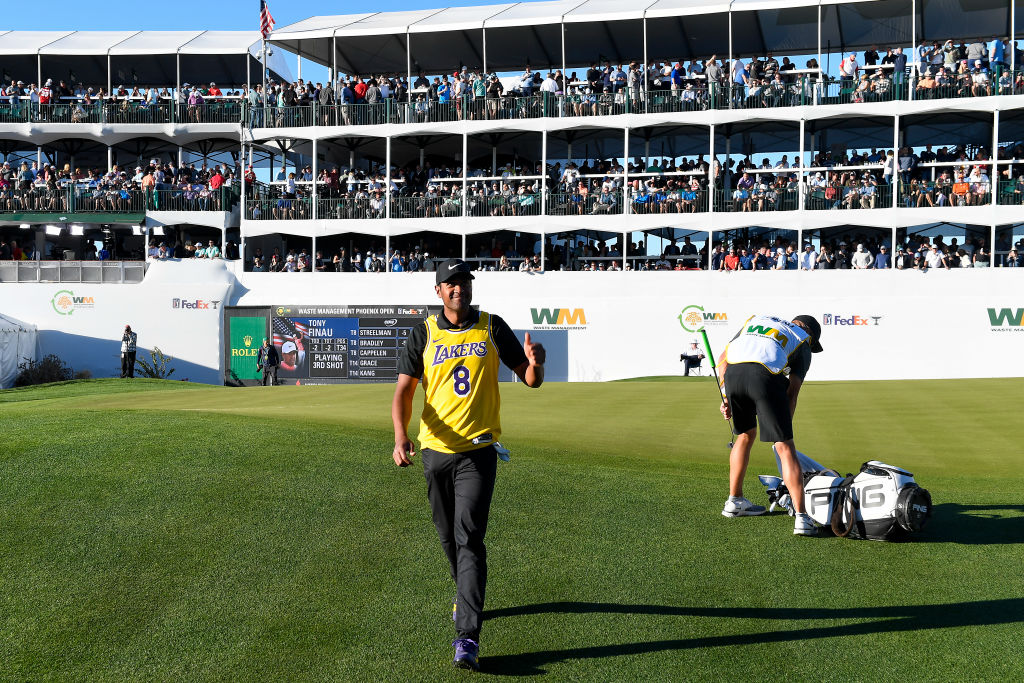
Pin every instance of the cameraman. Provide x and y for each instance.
(128, 341)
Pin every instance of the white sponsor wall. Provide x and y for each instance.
(876, 325)
(83, 323)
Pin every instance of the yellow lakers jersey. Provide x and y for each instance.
(460, 379)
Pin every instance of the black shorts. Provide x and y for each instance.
(757, 396)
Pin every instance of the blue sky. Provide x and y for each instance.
(231, 15)
(181, 15)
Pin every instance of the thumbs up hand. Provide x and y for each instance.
(534, 352)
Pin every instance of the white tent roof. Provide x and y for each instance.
(153, 42)
(28, 42)
(459, 18)
(385, 23)
(87, 42)
(535, 13)
(317, 27)
(532, 32)
(129, 42)
(222, 42)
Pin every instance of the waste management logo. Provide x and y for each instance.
(65, 302)
(694, 318)
(558, 318)
(1006, 319)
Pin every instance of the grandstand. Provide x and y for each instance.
(531, 137)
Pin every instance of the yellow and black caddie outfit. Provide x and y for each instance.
(458, 367)
(761, 358)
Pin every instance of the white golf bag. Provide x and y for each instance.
(881, 502)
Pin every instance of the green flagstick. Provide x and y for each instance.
(714, 368)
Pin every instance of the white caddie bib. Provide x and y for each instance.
(768, 341)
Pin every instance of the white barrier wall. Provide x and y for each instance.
(876, 324)
(178, 307)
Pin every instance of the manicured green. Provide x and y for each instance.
(166, 531)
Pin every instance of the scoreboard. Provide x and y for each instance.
(333, 344)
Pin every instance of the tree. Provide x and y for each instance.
(156, 366)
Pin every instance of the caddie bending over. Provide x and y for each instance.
(763, 368)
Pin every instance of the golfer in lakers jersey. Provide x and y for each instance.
(456, 355)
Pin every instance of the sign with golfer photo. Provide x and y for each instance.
(333, 344)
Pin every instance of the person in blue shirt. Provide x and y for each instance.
(746, 260)
(882, 258)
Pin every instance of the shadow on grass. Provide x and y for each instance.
(975, 524)
(890, 619)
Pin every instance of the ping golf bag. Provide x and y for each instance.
(881, 502)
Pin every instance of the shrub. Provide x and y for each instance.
(49, 369)
(156, 366)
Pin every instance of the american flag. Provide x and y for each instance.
(285, 330)
(266, 20)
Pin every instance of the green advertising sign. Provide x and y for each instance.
(245, 337)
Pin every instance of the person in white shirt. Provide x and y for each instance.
(935, 258)
(808, 259)
(848, 67)
(862, 258)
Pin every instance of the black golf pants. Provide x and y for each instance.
(460, 486)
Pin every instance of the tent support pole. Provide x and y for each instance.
(644, 66)
(993, 155)
(544, 173)
(819, 39)
(465, 183)
(801, 179)
(732, 60)
(315, 203)
(711, 178)
(387, 174)
(625, 173)
(896, 156)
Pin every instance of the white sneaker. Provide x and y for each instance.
(741, 508)
(804, 526)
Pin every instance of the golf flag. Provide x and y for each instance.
(266, 20)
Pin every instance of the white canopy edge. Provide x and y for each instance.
(520, 14)
(128, 42)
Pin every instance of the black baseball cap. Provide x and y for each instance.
(452, 268)
(814, 328)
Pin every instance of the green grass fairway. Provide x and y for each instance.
(166, 531)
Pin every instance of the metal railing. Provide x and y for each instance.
(270, 204)
(758, 199)
(676, 201)
(125, 111)
(75, 199)
(279, 208)
(73, 271)
(837, 196)
(197, 198)
(351, 207)
(1011, 192)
